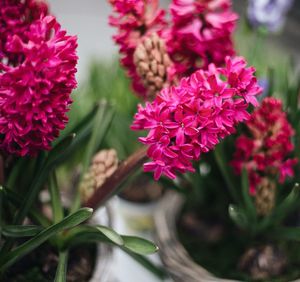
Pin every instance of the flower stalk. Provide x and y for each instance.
(108, 188)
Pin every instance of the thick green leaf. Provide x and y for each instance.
(57, 208)
(34, 214)
(238, 216)
(138, 245)
(68, 222)
(110, 234)
(97, 233)
(61, 272)
(286, 233)
(289, 204)
(158, 271)
(17, 231)
(226, 173)
(248, 202)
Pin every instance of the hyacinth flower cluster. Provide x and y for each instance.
(37, 74)
(187, 120)
(198, 33)
(15, 17)
(264, 151)
(134, 20)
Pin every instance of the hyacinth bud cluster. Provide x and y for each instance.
(264, 151)
(189, 119)
(152, 63)
(37, 74)
(134, 20)
(103, 165)
(199, 33)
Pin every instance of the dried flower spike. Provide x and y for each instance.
(104, 164)
(152, 62)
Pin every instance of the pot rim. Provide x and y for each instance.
(172, 253)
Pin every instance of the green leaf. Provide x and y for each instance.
(289, 204)
(61, 272)
(226, 173)
(138, 245)
(101, 124)
(68, 222)
(110, 234)
(238, 216)
(286, 233)
(57, 208)
(87, 233)
(248, 202)
(17, 231)
(34, 214)
(159, 272)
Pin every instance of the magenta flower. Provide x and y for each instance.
(191, 118)
(35, 90)
(15, 17)
(264, 150)
(135, 19)
(200, 34)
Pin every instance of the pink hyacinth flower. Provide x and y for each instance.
(35, 90)
(189, 119)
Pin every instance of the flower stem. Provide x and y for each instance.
(104, 192)
(223, 166)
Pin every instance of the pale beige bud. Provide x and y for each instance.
(103, 165)
(152, 63)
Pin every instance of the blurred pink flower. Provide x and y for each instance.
(264, 151)
(135, 19)
(35, 89)
(200, 34)
(15, 17)
(186, 120)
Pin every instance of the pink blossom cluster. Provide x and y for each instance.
(34, 89)
(134, 20)
(189, 119)
(15, 16)
(264, 151)
(200, 33)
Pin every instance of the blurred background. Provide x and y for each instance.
(100, 76)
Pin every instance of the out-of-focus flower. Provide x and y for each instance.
(15, 17)
(191, 118)
(35, 89)
(268, 13)
(264, 151)
(135, 19)
(200, 34)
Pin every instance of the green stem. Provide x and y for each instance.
(61, 272)
(57, 208)
(223, 166)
